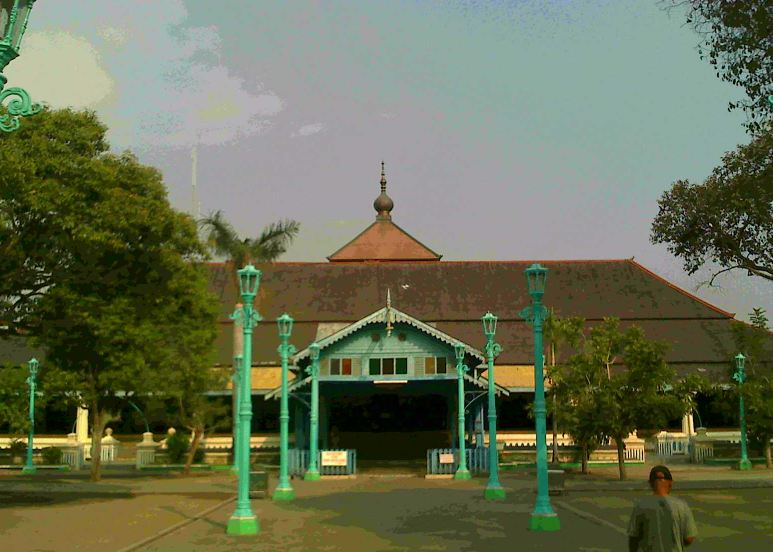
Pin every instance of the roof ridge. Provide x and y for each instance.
(680, 290)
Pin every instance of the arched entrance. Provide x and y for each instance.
(389, 424)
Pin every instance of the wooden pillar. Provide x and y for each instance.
(323, 421)
(300, 426)
(479, 429)
(452, 422)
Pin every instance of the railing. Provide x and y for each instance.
(298, 462)
(446, 461)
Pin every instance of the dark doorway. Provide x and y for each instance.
(389, 426)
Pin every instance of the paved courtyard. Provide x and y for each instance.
(375, 512)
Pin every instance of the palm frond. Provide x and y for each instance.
(274, 240)
(221, 237)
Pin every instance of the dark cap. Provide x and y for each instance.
(660, 470)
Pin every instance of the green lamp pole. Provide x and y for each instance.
(243, 521)
(494, 490)
(14, 16)
(284, 491)
(543, 518)
(740, 377)
(462, 472)
(312, 474)
(236, 378)
(32, 382)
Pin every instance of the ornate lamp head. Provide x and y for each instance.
(285, 323)
(249, 280)
(739, 375)
(33, 366)
(314, 351)
(14, 15)
(459, 349)
(536, 276)
(489, 325)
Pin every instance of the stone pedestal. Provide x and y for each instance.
(146, 450)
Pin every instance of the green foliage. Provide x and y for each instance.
(618, 381)
(17, 447)
(52, 456)
(736, 40)
(14, 399)
(177, 446)
(90, 245)
(728, 219)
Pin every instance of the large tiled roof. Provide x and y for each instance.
(454, 295)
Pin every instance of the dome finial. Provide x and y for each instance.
(383, 204)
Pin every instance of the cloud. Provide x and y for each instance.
(155, 80)
(308, 130)
(62, 70)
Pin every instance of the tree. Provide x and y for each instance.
(737, 39)
(728, 219)
(14, 399)
(223, 241)
(103, 272)
(758, 388)
(559, 331)
(610, 404)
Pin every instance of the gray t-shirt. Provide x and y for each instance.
(662, 523)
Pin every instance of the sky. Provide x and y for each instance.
(510, 129)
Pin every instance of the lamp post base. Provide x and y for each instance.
(243, 526)
(29, 469)
(744, 465)
(283, 495)
(538, 522)
(494, 493)
(462, 474)
(312, 475)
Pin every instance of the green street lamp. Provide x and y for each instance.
(284, 491)
(243, 521)
(543, 518)
(462, 472)
(740, 377)
(494, 490)
(236, 378)
(32, 382)
(312, 474)
(14, 16)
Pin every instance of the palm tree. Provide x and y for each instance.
(223, 241)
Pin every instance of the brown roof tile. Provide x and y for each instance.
(384, 241)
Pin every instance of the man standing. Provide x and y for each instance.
(661, 523)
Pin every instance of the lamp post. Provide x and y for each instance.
(31, 381)
(494, 490)
(312, 474)
(243, 521)
(14, 16)
(462, 472)
(543, 518)
(236, 378)
(740, 377)
(284, 491)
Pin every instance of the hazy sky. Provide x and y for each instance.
(510, 129)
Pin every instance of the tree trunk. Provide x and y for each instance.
(100, 420)
(198, 433)
(585, 458)
(555, 431)
(621, 458)
(768, 463)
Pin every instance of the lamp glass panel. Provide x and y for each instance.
(21, 15)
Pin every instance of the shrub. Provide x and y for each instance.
(18, 447)
(198, 458)
(52, 455)
(177, 446)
